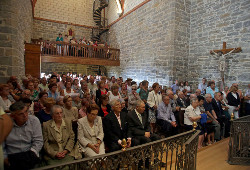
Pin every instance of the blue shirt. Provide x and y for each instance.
(210, 91)
(175, 87)
(202, 87)
(24, 138)
(43, 117)
(54, 96)
(165, 112)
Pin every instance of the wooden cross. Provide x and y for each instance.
(222, 60)
(224, 50)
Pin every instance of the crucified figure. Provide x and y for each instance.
(222, 61)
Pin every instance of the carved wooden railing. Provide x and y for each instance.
(239, 143)
(54, 48)
(178, 152)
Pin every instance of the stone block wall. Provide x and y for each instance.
(153, 42)
(50, 30)
(15, 28)
(60, 68)
(73, 11)
(211, 23)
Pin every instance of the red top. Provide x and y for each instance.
(105, 111)
(102, 93)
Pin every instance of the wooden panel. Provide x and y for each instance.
(80, 60)
(33, 59)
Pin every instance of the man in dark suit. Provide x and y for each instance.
(181, 100)
(115, 128)
(221, 118)
(138, 125)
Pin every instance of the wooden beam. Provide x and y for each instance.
(80, 60)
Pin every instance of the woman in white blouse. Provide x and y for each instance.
(154, 99)
(114, 93)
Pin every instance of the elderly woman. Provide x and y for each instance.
(53, 91)
(69, 112)
(105, 108)
(233, 99)
(154, 99)
(58, 138)
(68, 90)
(90, 133)
(193, 114)
(133, 97)
(114, 93)
(44, 114)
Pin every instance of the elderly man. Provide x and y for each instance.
(165, 118)
(197, 92)
(203, 86)
(115, 127)
(91, 85)
(133, 97)
(210, 112)
(174, 106)
(22, 146)
(221, 118)
(138, 125)
(181, 101)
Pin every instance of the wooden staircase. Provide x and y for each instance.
(98, 19)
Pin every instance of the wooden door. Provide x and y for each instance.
(33, 59)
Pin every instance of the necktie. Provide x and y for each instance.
(140, 118)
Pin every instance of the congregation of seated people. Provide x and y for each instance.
(62, 118)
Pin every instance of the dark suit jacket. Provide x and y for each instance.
(101, 113)
(179, 103)
(135, 128)
(112, 130)
(232, 101)
(217, 109)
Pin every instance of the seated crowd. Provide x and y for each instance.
(64, 118)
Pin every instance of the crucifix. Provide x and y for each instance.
(222, 57)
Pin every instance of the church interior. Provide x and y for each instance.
(188, 60)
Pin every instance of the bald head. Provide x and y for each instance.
(170, 94)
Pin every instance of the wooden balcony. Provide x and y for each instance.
(60, 52)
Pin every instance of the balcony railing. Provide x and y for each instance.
(239, 143)
(178, 152)
(53, 48)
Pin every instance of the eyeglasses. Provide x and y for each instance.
(133, 89)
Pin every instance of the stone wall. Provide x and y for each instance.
(112, 8)
(73, 11)
(211, 23)
(153, 42)
(60, 68)
(49, 30)
(15, 28)
(48, 68)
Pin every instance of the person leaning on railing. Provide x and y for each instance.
(59, 138)
(90, 133)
